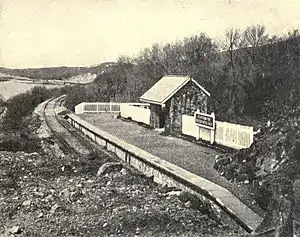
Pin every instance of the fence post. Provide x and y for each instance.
(212, 131)
(197, 135)
(110, 106)
(251, 135)
(224, 133)
(238, 130)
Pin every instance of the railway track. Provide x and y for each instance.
(68, 139)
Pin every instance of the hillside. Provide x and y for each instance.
(271, 165)
(55, 72)
(16, 81)
(81, 78)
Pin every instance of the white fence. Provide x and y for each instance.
(233, 135)
(227, 134)
(96, 107)
(138, 112)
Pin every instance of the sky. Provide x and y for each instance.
(44, 33)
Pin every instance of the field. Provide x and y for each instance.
(14, 87)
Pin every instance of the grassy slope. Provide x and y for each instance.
(54, 72)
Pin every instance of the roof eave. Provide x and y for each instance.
(151, 101)
(201, 87)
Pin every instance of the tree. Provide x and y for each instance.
(233, 41)
(255, 36)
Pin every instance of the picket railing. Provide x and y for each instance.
(102, 107)
(226, 134)
(233, 135)
(97, 107)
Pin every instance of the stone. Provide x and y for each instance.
(39, 194)
(137, 231)
(54, 208)
(26, 203)
(174, 193)
(124, 171)
(15, 230)
(188, 204)
(66, 193)
(109, 167)
(49, 198)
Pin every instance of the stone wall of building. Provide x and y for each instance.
(186, 101)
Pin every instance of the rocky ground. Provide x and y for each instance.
(271, 166)
(48, 193)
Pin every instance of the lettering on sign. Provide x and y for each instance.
(205, 120)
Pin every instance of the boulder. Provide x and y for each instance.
(109, 167)
(15, 230)
(26, 203)
(54, 208)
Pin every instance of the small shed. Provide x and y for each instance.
(171, 97)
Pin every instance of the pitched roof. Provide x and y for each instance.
(166, 87)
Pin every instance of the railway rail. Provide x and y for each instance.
(66, 136)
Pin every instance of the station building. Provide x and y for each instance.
(171, 97)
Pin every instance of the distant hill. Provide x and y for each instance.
(58, 73)
(82, 78)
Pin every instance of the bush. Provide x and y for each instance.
(23, 104)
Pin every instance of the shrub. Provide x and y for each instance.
(23, 104)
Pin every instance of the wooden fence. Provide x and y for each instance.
(103, 107)
(96, 107)
(226, 134)
(138, 112)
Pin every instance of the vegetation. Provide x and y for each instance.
(2, 102)
(250, 74)
(17, 125)
(54, 72)
(23, 104)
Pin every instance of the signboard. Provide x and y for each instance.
(205, 120)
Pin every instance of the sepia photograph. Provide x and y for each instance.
(150, 118)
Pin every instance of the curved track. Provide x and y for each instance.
(66, 136)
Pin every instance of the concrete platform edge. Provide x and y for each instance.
(163, 171)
